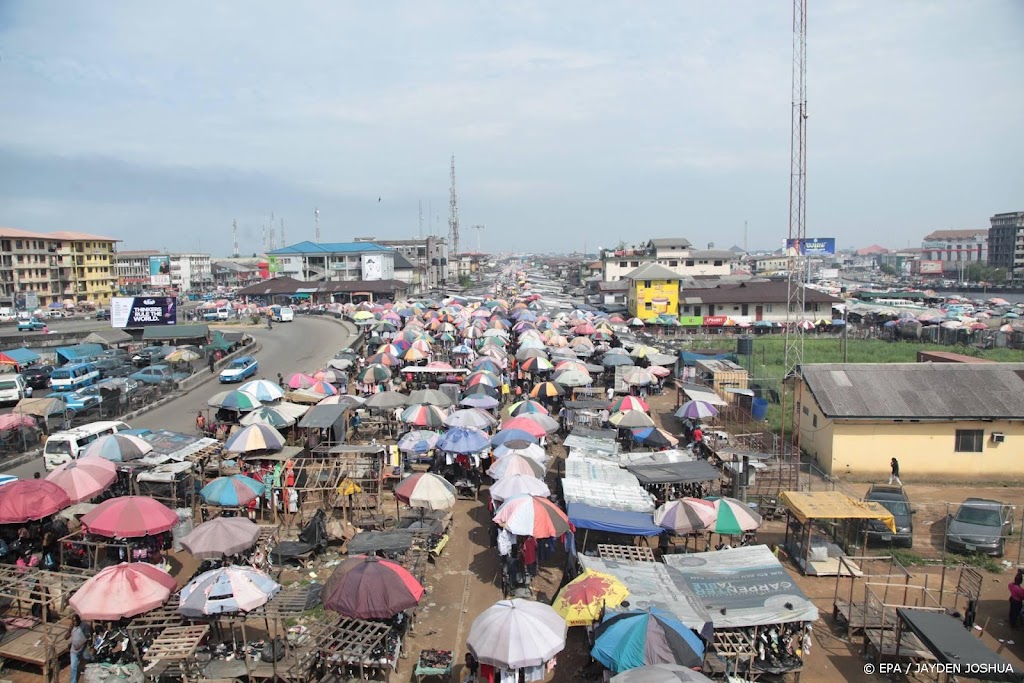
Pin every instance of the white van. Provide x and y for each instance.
(285, 314)
(63, 447)
(223, 314)
(13, 388)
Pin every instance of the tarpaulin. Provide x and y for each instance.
(77, 353)
(18, 357)
(953, 644)
(834, 505)
(676, 473)
(612, 521)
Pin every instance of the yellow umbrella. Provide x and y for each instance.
(581, 600)
(347, 487)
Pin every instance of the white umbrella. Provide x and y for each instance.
(631, 419)
(514, 634)
(533, 451)
(638, 376)
(574, 378)
(516, 484)
(470, 417)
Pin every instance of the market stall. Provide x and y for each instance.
(951, 645)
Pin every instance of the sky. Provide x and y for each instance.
(574, 124)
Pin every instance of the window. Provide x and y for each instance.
(767, 308)
(689, 263)
(805, 411)
(718, 263)
(814, 420)
(647, 284)
(623, 264)
(635, 264)
(969, 440)
(673, 264)
(647, 305)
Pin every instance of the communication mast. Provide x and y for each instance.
(234, 239)
(479, 229)
(453, 217)
(284, 242)
(316, 223)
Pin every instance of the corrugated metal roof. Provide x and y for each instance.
(323, 417)
(194, 331)
(926, 391)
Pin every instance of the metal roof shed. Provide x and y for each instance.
(175, 332)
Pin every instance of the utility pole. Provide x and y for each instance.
(453, 216)
(316, 225)
(479, 229)
(234, 239)
(744, 237)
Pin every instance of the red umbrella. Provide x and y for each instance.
(525, 424)
(129, 517)
(532, 516)
(84, 478)
(31, 499)
(16, 420)
(371, 588)
(124, 590)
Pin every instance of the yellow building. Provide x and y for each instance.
(653, 291)
(941, 421)
(92, 260)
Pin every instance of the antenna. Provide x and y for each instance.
(479, 229)
(234, 239)
(316, 223)
(263, 228)
(271, 235)
(283, 242)
(420, 204)
(453, 215)
(744, 236)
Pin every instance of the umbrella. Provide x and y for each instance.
(226, 590)
(17, 420)
(262, 389)
(536, 365)
(426, 490)
(513, 634)
(385, 359)
(430, 397)
(233, 491)
(239, 401)
(581, 600)
(686, 515)
(574, 378)
(330, 375)
(547, 390)
(470, 417)
(481, 401)
(628, 403)
(532, 516)
(516, 436)
(657, 438)
(269, 416)
(299, 380)
(626, 640)
(254, 438)
(531, 450)
(129, 517)
(31, 499)
(518, 484)
(631, 419)
(512, 465)
(734, 517)
(528, 406)
(84, 478)
(638, 376)
(185, 355)
(322, 388)
(387, 400)
(423, 416)
(661, 673)
(696, 410)
(525, 424)
(124, 590)
(373, 374)
(546, 422)
(463, 440)
(613, 360)
(117, 448)
(364, 587)
(221, 537)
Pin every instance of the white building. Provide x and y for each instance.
(676, 254)
(428, 257)
(191, 271)
(955, 248)
(131, 268)
(333, 261)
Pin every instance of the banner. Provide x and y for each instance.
(813, 246)
(142, 311)
(714, 320)
(691, 320)
(272, 265)
(160, 271)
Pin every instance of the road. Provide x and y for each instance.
(301, 346)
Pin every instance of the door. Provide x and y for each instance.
(759, 313)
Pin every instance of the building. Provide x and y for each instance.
(770, 264)
(93, 264)
(942, 421)
(676, 254)
(235, 273)
(333, 261)
(191, 271)
(285, 290)
(653, 291)
(131, 268)
(1006, 244)
(955, 248)
(428, 256)
(752, 301)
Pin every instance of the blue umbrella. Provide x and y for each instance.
(462, 350)
(508, 435)
(480, 401)
(463, 440)
(232, 491)
(627, 640)
(227, 590)
(418, 441)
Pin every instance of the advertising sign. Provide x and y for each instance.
(31, 301)
(373, 267)
(829, 273)
(142, 311)
(160, 271)
(714, 320)
(930, 268)
(813, 246)
(272, 265)
(691, 320)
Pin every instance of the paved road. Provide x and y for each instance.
(300, 346)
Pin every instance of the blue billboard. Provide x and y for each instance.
(813, 246)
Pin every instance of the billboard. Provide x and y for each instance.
(373, 267)
(813, 246)
(929, 267)
(31, 301)
(272, 265)
(160, 271)
(829, 273)
(142, 311)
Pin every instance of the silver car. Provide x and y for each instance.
(980, 525)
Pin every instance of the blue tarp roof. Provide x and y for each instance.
(78, 352)
(613, 521)
(18, 357)
(690, 358)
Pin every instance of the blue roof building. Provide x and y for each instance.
(333, 261)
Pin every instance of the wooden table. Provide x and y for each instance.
(175, 645)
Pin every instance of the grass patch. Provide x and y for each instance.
(989, 564)
(907, 558)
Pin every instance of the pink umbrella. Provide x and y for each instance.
(16, 420)
(124, 590)
(31, 499)
(322, 388)
(525, 424)
(85, 478)
(299, 380)
(129, 517)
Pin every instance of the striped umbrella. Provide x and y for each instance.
(734, 517)
(513, 436)
(654, 437)
(696, 410)
(482, 377)
(470, 417)
(581, 601)
(232, 491)
(526, 425)
(117, 448)
(532, 516)
(463, 440)
(373, 374)
(364, 587)
(227, 590)
(625, 403)
(129, 517)
(29, 499)
(269, 416)
(430, 397)
(638, 376)
(532, 450)
(322, 388)
(547, 390)
(414, 355)
(528, 406)
(385, 359)
(330, 375)
(418, 441)
(546, 422)
(512, 465)
(626, 640)
(254, 438)
(299, 380)
(518, 484)
(423, 416)
(481, 401)
(238, 401)
(124, 590)
(537, 365)
(426, 490)
(661, 673)
(631, 419)
(686, 515)
(84, 478)
(263, 389)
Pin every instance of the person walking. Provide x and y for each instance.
(894, 476)
(210, 361)
(78, 634)
(1016, 599)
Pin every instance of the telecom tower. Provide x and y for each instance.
(316, 223)
(234, 239)
(453, 218)
(284, 242)
(797, 218)
(272, 236)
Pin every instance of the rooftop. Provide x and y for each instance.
(956, 234)
(652, 271)
(922, 391)
(670, 242)
(754, 292)
(329, 248)
(62, 235)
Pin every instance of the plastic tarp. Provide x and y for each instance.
(947, 639)
(640, 458)
(676, 472)
(600, 471)
(370, 542)
(690, 358)
(109, 337)
(696, 392)
(612, 496)
(18, 357)
(743, 587)
(78, 353)
(834, 505)
(323, 417)
(612, 521)
(170, 332)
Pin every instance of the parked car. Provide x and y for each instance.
(106, 366)
(240, 369)
(103, 314)
(79, 401)
(117, 354)
(122, 369)
(154, 374)
(980, 525)
(37, 376)
(13, 388)
(150, 355)
(895, 500)
(31, 325)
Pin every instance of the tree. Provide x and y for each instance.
(981, 272)
(888, 269)
(465, 281)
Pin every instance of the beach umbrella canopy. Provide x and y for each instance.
(661, 673)
(232, 491)
(614, 360)
(330, 375)
(299, 380)
(269, 416)
(124, 590)
(426, 490)
(631, 419)
(733, 517)
(482, 401)
(129, 517)
(537, 365)
(84, 478)
(387, 400)
(373, 374)
(638, 376)
(227, 590)
(525, 424)
(386, 359)
(463, 440)
(470, 417)
(221, 537)
(184, 355)
(518, 484)
(547, 390)
(254, 438)
(625, 403)
(117, 448)
(418, 441)
(31, 499)
(574, 378)
(514, 465)
(514, 437)
(424, 416)
(626, 640)
(514, 634)
(530, 450)
(364, 587)
(696, 410)
(431, 397)
(322, 388)
(686, 515)
(262, 389)
(581, 600)
(654, 437)
(17, 420)
(543, 420)
(532, 516)
(239, 401)
(525, 407)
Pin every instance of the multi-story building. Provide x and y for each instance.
(55, 267)
(93, 264)
(428, 256)
(955, 248)
(132, 270)
(1006, 244)
(235, 272)
(653, 291)
(676, 254)
(337, 261)
(191, 271)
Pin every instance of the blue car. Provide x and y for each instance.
(78, 401)
(239, 370)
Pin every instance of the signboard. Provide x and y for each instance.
(373, 267)
(142, 311)
(715, 320)
(272, 265)
(691, 320)
(829, 273)
(31, 301)
(930, 267)
(813, 246)
(160, 271)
